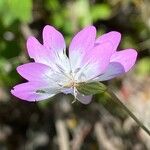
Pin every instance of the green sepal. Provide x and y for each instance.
(91, 88)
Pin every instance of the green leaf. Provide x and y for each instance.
(91, 88)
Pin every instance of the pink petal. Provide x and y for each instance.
(120, 63)
(95, 62)
(114, 69)
(113, 37)
(53, 39)
(34, 91)
(82, 43)
(53, 50)
(41, 72)
(34, 71)
(38, 52)
(126, 58)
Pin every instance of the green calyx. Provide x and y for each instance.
(91, 88)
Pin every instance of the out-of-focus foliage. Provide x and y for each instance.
(21, 10)
(101, 11)
(15, 10)
(22, 18)
(143, 66)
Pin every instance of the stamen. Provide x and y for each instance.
(75, 95)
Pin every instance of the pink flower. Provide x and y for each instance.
(90, 59)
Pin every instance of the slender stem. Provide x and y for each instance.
(116, 99)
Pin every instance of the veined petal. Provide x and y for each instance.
(95, 62)
(35, 71)
(38, 52)
(125, 57)
(55, 44)
(82, 43)
(53, 39)
(113, 37)
(52, 53)
(120, 63)
(41, 72)
(34, 91)
(114, 69)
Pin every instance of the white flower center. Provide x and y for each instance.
(72, 84)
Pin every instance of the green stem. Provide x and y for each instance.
(116, 99)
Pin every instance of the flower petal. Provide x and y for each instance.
(83, 99)
(53, 39)
(114, 69)
(41, 72)
(52, 53)
(34, 91)
(37, 51)
(120, 63)
(113, 37)
(126, 58)
(95, 62)
(82, 43)
(35, 71)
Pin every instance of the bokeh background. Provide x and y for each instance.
(56, 123)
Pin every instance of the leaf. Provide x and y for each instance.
(91, 88)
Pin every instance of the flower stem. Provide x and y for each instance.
(119, 102)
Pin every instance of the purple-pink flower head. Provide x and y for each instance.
(90, 59)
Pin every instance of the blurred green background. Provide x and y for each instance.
(34, 126)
